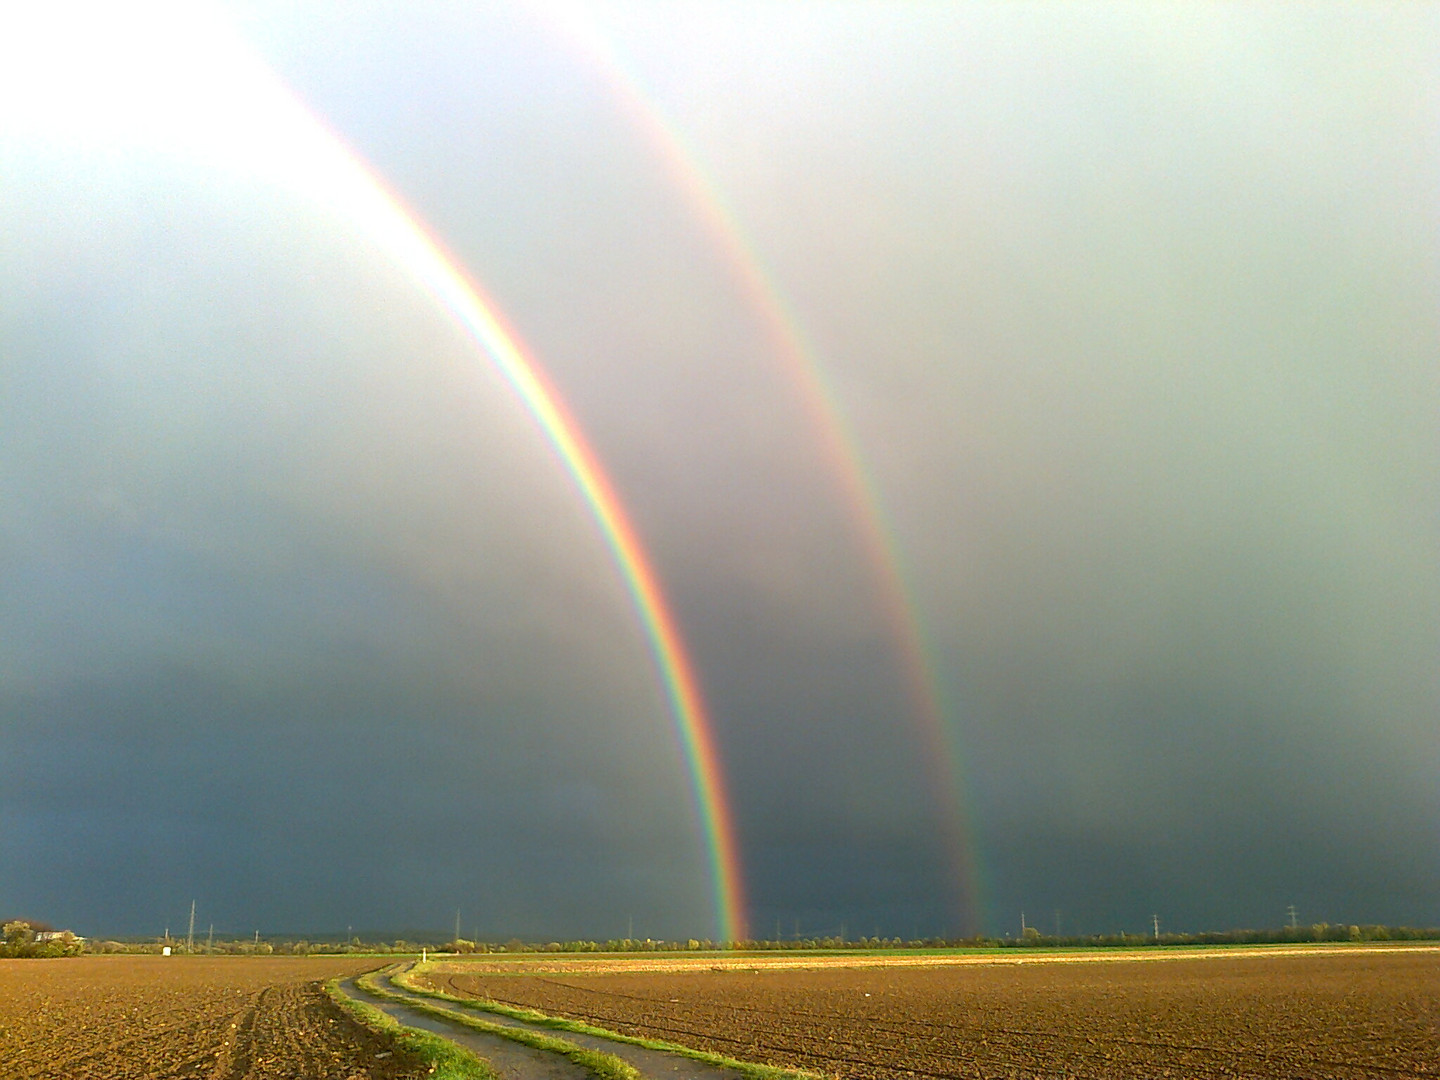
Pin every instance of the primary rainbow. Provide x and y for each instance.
(401, 235)
(677, 672)
(316, 162)
(867, 509)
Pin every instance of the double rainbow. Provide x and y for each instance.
(799, 360)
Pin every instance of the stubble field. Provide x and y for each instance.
(221, 1018)
(1337, 1012)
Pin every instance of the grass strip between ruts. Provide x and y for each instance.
(447, 1061)
(599, 1064)
(532, 1016)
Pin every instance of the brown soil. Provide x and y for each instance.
(1325, 1013)
(216, 1018)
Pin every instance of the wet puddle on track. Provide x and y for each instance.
(650, 1063)
(512, 1060)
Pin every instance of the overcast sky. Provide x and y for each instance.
(1131, 311)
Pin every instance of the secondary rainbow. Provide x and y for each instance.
(867, 509)
(361, 197)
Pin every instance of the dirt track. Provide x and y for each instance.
(221, 1018)
(1337, 1013)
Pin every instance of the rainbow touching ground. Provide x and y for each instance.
(866, 508)
(348, 187)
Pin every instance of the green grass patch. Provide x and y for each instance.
(560, 1023)
(601, 1065)
(447, 1061)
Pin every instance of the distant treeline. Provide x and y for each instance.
(1315, 932)
(22, 938)
(1032, 938)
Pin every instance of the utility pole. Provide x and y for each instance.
(1291, 910)
(1156, 920)
(190, 936)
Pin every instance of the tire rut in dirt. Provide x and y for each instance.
(510, 1059)
(647, 1061)
(233, 1059)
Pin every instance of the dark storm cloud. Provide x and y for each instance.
(1131, 312)
(300, 615)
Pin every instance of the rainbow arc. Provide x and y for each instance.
(402, 237)
(239, 116)
(798, 358)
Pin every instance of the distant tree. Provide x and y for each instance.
(66, 944)
(19, 935)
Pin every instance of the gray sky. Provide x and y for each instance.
(1132, 314)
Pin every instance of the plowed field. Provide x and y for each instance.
(220, 1018)
(1325, 1013)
